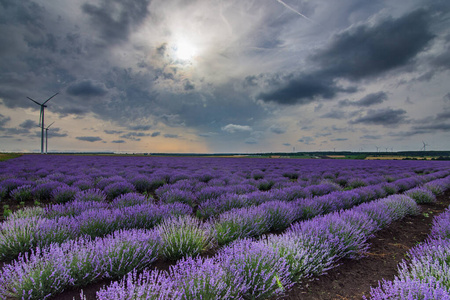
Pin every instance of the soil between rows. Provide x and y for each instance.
(353, 278)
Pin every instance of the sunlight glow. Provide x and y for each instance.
(184, 50)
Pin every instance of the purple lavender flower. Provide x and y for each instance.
(199, 278)
(43, 192)
(152, 285)
(129, 199)
(64, 194)
(126, 250)
(22, 193)
(306, 255)
(279, 215)
(84, 184)
(38, 275)
(91, 195)
(421, 195)
(261, 270)
(73, 208)
(226, 202)
(176, 195)
(441, 226)
(116, 189)
(412, 288)
(240, 223)
(184, 236)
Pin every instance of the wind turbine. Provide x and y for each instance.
(424, 148)
(46, 136)
(377, 148)
(41, 119)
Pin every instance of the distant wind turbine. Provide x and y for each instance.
(377, 148)
(46, 137)
(424, 148)
(41, 119)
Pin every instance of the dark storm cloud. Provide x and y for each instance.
(115, 19)
(303, 89)
(369, 100)
(89, 138)
(360, 52)
(28, 124)
(155, 134)
(87, 88)
(384, 116)
(433, 127)
(366, 51)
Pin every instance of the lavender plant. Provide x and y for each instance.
(262, 271)
(421, 195)
(91, 195)
(22, 193)
(184, 236)
(64, 194)
(199, 278)
(38, 275)
(240, 223)
(149, 285)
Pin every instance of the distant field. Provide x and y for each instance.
(6, 156)
(399, 157)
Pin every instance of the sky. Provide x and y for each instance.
(225, 76)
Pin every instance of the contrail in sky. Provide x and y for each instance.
(290, 8)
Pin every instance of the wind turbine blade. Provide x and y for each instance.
(50, 125)
(34, 101)
(50, 98)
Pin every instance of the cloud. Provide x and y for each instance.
(384, 116)
(368, 100)
(232, 128)
(171, 136)
(4, 120)
(89, 138)
(306, 140)
(117, 18)
(303, 89)
(286, 144)
(371, 137)
(339, 139)
(118, 141)
(113, 131)
(155, 134)
(277, 129)
(365, 51)
(251, 141)
(28, 124)
(140, 127)
(335, 114)
(87, 88)
(357, 53)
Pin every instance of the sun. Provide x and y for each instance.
(184, 50)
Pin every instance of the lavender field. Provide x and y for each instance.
(226, 228)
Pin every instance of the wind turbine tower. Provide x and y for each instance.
(41, 119)
(46, 137)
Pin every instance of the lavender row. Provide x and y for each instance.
(29, 229)
(425, 274)
(260, 269)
